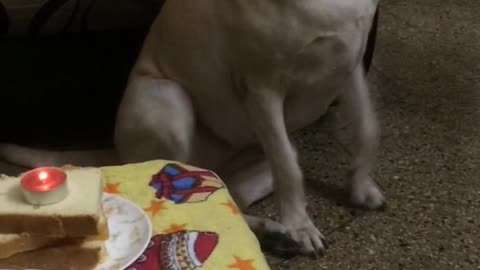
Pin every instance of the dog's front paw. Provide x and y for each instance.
(365, 193)
(302, 230)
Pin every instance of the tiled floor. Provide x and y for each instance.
(426, 83)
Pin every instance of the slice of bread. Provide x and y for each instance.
(11, 244)
(75, 216)
(63, 256)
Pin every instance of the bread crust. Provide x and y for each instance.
(51, 226)
(64, 256)
(24, 242)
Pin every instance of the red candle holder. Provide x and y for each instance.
(43, 186)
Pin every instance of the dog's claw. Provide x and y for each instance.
(325, 244)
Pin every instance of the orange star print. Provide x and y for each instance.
(242, 264)
(232, 207)
(175, 228)
(112, 188)
(155, 207)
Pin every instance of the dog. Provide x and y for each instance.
(221, 85)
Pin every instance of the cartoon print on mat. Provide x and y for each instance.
(183, 250)
(180, 185)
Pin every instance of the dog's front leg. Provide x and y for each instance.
(266, 112)
(364, 190)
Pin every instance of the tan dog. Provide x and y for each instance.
(220, 84)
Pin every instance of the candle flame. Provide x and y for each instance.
(43, 175)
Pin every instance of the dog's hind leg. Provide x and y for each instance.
(364, 191)
(155, 121)
(248, 176)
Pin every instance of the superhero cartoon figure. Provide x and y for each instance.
(180, 185)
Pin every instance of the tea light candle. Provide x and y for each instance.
(43, 186)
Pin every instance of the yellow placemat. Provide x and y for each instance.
(196, 224)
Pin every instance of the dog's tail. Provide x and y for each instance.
(31, 158)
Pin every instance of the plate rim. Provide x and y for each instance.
(106, 195)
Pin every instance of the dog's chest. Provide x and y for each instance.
(313, 78)
(297, 44)
(309, 59)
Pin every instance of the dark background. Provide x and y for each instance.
(64, 88)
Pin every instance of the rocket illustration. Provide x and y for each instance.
(183, 250)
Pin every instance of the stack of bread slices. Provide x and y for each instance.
(69, 235)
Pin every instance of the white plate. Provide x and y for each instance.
(130, 232)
